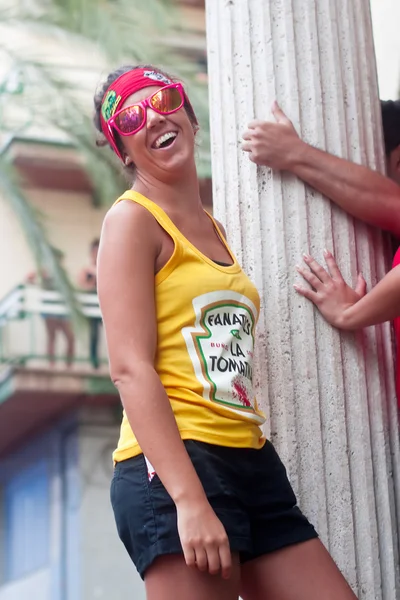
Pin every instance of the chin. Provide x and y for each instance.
(178, 164)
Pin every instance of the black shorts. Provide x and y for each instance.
(248, 490)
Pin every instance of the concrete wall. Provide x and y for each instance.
(107, 571)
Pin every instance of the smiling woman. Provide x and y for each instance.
(197, 489)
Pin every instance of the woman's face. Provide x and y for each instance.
(142, 148)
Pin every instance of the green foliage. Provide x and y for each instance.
(119, 32)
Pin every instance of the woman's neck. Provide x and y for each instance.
(180, 196)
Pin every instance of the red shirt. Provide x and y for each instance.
(396, 324)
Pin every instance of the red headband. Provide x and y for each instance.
(121, 89)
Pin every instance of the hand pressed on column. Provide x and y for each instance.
(273, 144)
(330, 294)
(344, 307)
(360, 191)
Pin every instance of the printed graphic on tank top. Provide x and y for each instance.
(221, 348)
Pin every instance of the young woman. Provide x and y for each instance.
(201, 500)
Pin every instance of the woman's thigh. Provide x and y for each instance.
(303, 571)
(169, 578)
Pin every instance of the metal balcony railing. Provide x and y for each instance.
(24, 332)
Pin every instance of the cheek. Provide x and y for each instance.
(134, 145)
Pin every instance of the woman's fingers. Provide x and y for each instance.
(189, 555)
(201, 558)
(204, 540)
(316, 268)
(332, 266)
(213, 560)
(307, 293)
(225, 559)
(361, 287)
(309, 277)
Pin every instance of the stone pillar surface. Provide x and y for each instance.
(329, 396)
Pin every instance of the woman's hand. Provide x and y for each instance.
(203, 538)
(330, 293)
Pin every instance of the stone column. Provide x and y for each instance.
(329, 397)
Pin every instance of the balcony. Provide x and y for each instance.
(33, 390)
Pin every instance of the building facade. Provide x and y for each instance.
(58, 424)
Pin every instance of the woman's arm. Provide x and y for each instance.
(345, 308)
(130, 243)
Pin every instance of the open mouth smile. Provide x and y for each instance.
(165, 140)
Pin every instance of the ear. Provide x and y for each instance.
(196, 129)
(127, 160)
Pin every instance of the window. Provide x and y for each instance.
(26, 499)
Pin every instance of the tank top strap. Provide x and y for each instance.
(219, 232)
(160, 216)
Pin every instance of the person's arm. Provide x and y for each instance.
(130, 243)
(363, 193)
(343, 307)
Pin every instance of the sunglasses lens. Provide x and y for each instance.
(166, 100)
(130, 119)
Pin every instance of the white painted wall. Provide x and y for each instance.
(385, 20)
(107, 571)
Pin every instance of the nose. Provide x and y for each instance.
(154, 118)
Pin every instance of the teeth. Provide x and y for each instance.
(164, 138)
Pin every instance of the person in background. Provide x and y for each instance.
(54, 323)
(363, 193)
(87, 281)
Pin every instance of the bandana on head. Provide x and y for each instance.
(122, 88)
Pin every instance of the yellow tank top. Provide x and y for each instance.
(206, 320)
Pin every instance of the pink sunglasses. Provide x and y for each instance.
(131, 119)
